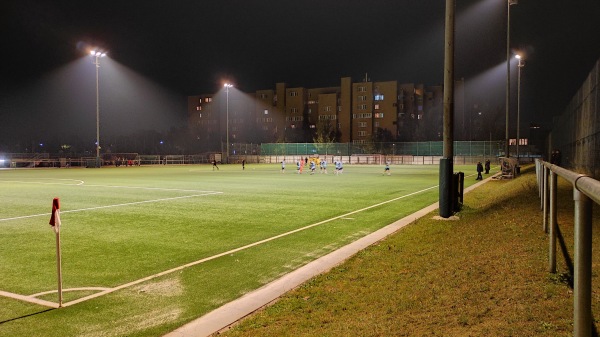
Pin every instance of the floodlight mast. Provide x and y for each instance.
(96, 55)
(520, 65)
(506, 140)
(227, 86)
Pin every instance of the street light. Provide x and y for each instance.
(96, 54)
(508, 4)
(227, 86)
(520, 65)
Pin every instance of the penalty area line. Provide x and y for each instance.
(111, 206)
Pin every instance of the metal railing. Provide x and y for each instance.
(585, 190)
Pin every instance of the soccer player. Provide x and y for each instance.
(387, 168)
(324, 166)
(339, 167)
(312, 167)
(298, 167)
(283, 166)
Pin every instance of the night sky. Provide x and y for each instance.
(162, 51)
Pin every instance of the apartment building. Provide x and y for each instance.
(356, 112)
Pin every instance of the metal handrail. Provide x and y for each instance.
(585, 190)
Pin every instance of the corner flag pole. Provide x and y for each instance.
(55, 223)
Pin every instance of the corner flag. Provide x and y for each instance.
(55, 223)
(55, 218)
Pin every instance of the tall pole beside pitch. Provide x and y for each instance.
(446, 163)
(506, 134)
(227, 86)
(96, 61)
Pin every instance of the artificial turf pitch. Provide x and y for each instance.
(163, 245)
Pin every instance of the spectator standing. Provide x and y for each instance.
(479, 170)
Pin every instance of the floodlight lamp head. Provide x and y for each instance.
(97, 53)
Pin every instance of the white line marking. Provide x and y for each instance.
(70, 289)
(110, 206)
(79, 182)
(82, 183)
(147, 278)
(28, 299)
(166, 272)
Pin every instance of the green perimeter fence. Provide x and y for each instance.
(461, 148)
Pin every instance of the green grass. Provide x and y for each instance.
(483, 275)
(104, 245)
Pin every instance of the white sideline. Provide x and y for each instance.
(226, 315)
(147, 278)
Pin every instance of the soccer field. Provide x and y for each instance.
(147, 249)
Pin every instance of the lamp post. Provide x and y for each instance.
(508, 4)
(227, 86)
(96, 61)
(520, 65)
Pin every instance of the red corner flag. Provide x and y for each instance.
(55, 218)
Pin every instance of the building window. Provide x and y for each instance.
(379, 97)
(263, 96)
(362, 89)
(362, 107)
(362, 98)
(376, 124)
(293, 93)
(294, 119)
(362, 133)
(339, 108)
(328, 108)
(266, 112)
(362, 124)
(379, 115)
(312, 126)
(198, 108)
(293, 110)
(362, 115)
(376, 106)
(208, 99)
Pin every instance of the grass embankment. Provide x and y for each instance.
(483, 275)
